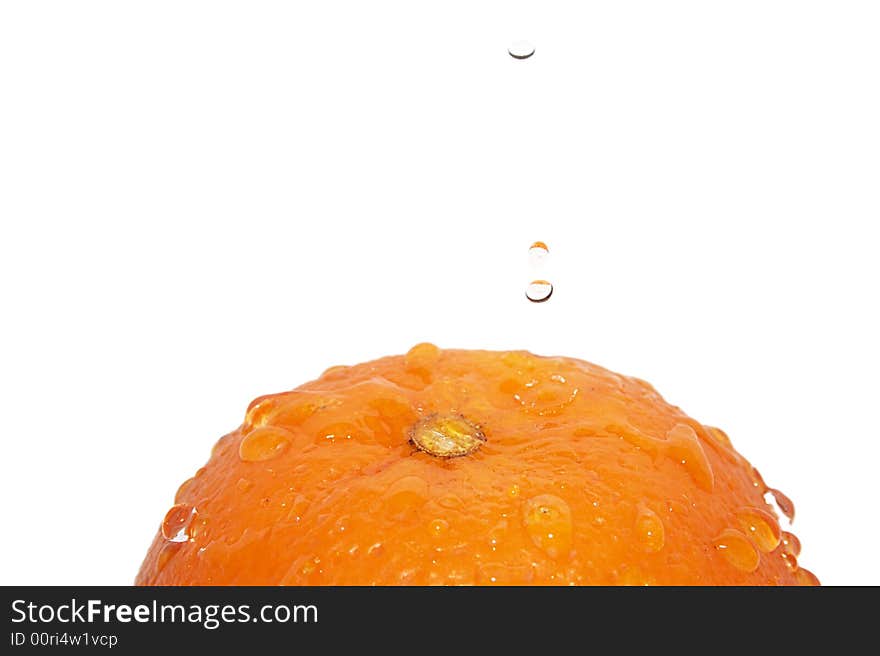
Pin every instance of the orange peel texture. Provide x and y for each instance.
(472, 467)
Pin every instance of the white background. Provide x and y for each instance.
(202, 202)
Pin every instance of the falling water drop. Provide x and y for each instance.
(521, 49)
(539, 291)
(538, 252)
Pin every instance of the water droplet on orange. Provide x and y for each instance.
(438, 527)
(785, 505)
(806, 577)
(199, 527)
(649, 530)
(223, 444)
(341, 524)
(539, 291)
(297, 508)
(450, 501)
(165, 555)
(294, 411)
(758, 481)
(340, 431)
(175, 526)
(243, 485)
(683, 445)
(421, 355)
(761, 527)
(335, 371)
(497, 533)
(406, 493)
(539, 398)
(259, 409)
(736, 549)
(790, 560)
(791, 544)
(719, 436)
(513, 491)
(520, 361)
(264, 443)
(547, 520)
(186, 485)
(633, 576)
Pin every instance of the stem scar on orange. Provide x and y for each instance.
(473, 467)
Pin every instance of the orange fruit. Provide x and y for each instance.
(473, 467)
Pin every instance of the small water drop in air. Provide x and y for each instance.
(539, 291)
(538, 253)
(521, 50)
